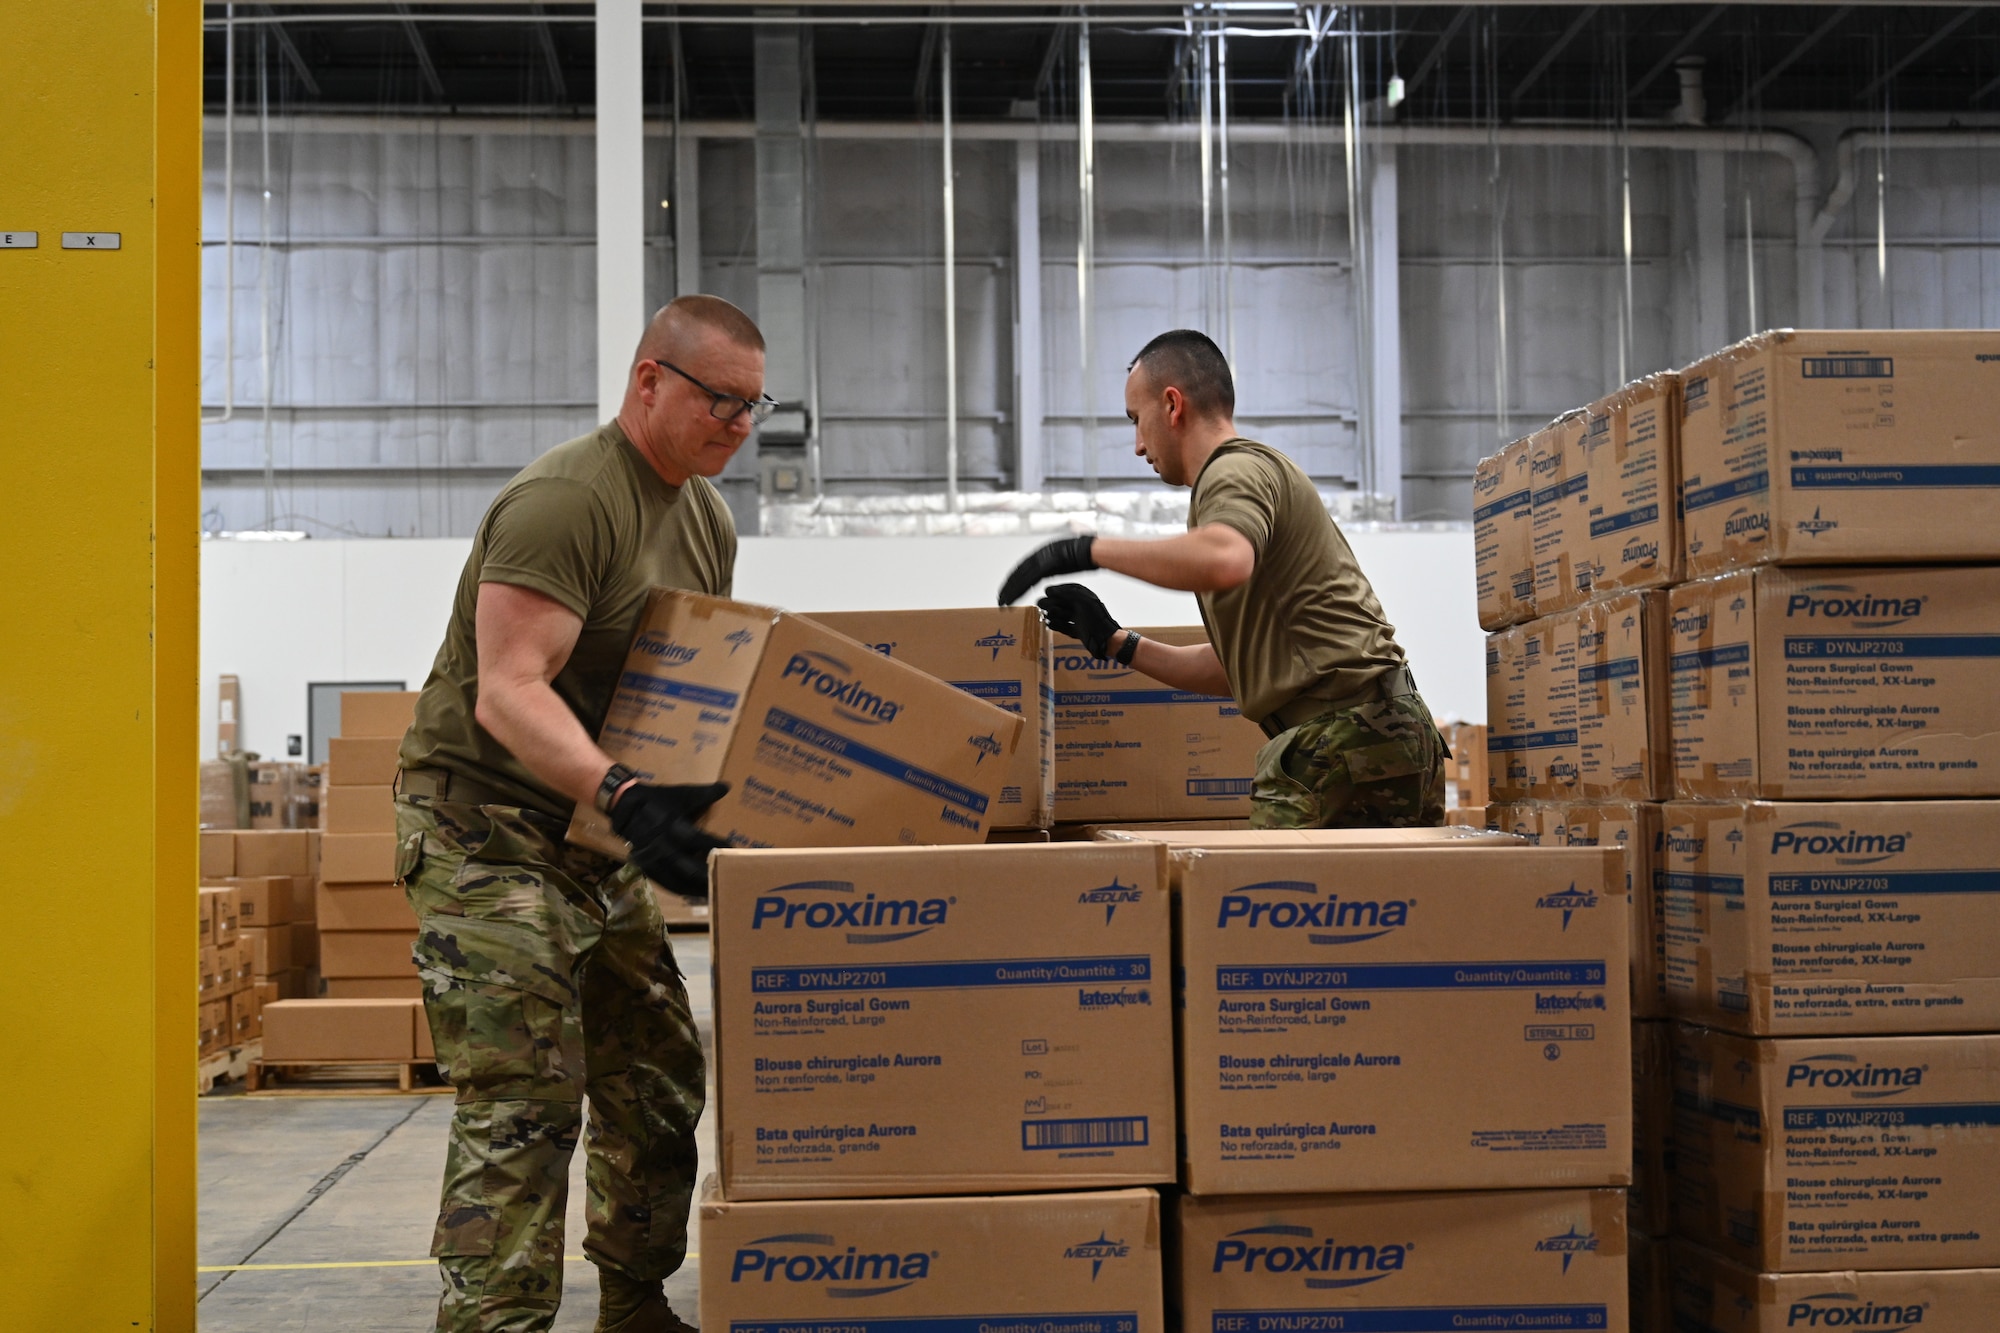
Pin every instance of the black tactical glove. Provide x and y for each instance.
(667, 844)
(1073, 609)
(1070, 555)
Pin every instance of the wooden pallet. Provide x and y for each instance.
(338, 1078)
(227, 1066)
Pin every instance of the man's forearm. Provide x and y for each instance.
(537, 727)
(1209, 559)
(1194, 667)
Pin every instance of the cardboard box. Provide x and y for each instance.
(206, 900)
(245, 1017)
(1860, 684)
(1834, 917)
(269, 991)
(1506, 1259)
(1651, 1197)
(1002, 656)
(218, 853)
(304, 891)
(1793, 1154)
(898, 1021)
(822, 742)
(1297, 838)
(1074, 1263)
(270, 794)
(280, 852)
(1130, 749)
(223, 910)
(357, 858)
(208, 969)
(1561, 482)
(1503, 537)
(1623, 716)
(357, 810)
(420, 1031)
(356, 1030)
(1842, 447)
(305, 944)
(374, 988)
(1466, 777)
(379, 714)
(270, 950)
(228, 714)
(1095, 832)
(1649, 1265)
(1635, 828)
(366, 953)
(219, 793)
(1632, 461)
(365, 907)
(1508, 738)
(1403, 1018)
(1550, 744)
(212, 1026)
(361, 761)
(264, 900)
(1467, 816)
(240, 962)
(1713, 1295)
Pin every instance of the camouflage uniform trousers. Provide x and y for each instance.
(1375, 765)
(548, 977)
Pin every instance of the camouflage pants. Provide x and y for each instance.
(548, 977)
(1376, 765)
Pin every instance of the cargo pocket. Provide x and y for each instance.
(1389, 759)
(409, 857)
(499, 1042)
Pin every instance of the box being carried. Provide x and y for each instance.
(1025, 1263)
(1834, 917)
(1001, 656)
(1517, 1259)
(1714, 1295)
(1864, 684)
(1842, 447)
(1795, 1154)
(1451, 1016)
(823, 743)
(942, 1020)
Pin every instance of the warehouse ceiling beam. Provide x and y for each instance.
(1555, 49)
(1921, 50)
(290, 51)
(1677, 50)
(423, 53)
(545, 42)
(1790, 58)
(1436, 53)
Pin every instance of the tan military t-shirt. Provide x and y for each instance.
(1307, 620)
(591, 524)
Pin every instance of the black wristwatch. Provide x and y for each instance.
(614, 777)
(1126, 650)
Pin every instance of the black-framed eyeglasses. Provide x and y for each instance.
(726, 406)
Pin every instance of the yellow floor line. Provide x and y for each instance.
(356, 1263)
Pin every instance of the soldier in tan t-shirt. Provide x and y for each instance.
(547, 972)
(1295, 632)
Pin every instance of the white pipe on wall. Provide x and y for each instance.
(621, 201)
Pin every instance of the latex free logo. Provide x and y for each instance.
(1840, 1309)
(1860, 1079)
(807, 1257)
(1567, 901)
(995, 641)
(866, 918)
(1814, 526)
(987, 746)
(663, 650)
(1847, 847)
(1569, 1245)
(1843, 601)
(1346, 921)
(837, 683)
(1283, 1248)
(739, 638)
(1097, 1251)
(1112, 896)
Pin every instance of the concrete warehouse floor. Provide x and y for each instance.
(337, 1195)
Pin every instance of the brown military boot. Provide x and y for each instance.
(628, 1305)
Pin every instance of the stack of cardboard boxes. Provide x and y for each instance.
(258, 942)
(1710, 606)
(366, 925)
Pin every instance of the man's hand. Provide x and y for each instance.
(1074, 610)
(667, 844)
(1070, 555)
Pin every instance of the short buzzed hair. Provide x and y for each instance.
(685, 317)
(1190, 361)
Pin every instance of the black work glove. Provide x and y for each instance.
(667, 844)
(1073, 609)
(1070, 555)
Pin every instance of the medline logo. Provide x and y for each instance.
(1814, 526)
(1848, 847)
(1843, 601)
(741, 638)
(987, 746)
(889, 1272)
(1569, 1245)
(1844, 1310)
(864, 916)
(1569, 900)
(1112, 895)
(836, 681)
(996, 641)
(664, 650)
(1314, 1256)
(1097, 1251)
(1367, 919)
(1742, 522)
(1867, 1082)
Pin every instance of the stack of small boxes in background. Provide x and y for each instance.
(1610, 677)
(259, 943)
(366, 925)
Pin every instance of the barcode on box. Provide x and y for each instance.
(1850, 367)
(1126, 1131)
(1218, 786)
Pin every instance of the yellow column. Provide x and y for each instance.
(100, 108)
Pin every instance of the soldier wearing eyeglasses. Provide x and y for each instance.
(546, 969)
